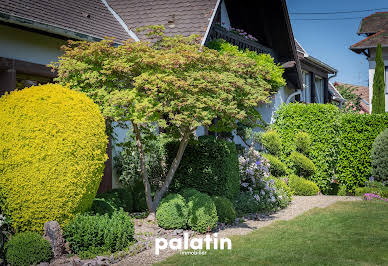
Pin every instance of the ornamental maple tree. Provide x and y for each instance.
(174, 82)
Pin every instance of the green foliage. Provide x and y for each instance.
(357, 134)
(353, 100)
(360, 191)
(208, 165)
(225, 210)
(379, 157)
(189, 192)
(302, 165)
(303, 143)
(202, 213)
(378, 99)
(281, 184)
(272, 142)
(172, 212)
(320, 121)
(52, 154)
(277, 167)
(245, 204)
(113, 200)
(27, 248)
(103, 232)
(301, 186)
(342, 191)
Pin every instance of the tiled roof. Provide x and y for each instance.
(183, 17)
(374, 23)
(361, 91)
(372, 41)
(89, 17)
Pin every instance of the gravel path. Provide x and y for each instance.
(298, 206)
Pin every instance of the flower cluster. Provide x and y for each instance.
(243, 34)
(371, 196)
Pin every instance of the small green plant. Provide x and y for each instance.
(245, 204)
(303, 142)
(272, 142)
(172, 212)
(202, 213)
(27, 248)
(225, 210)
(302, 165)
(301, 186)
(113, 200)
(187, 193)
(277, 167)
(342, 191)
(379, 157)
(88, 233)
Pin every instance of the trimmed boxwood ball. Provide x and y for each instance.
(301, 186)
(172, 212)
(27, 248)
(225, 210)
(379, 157)
(302, 165)
(303, 142)
(277, 167)
(202, 213)
(188, 193)
(272, 142)
(53, 149)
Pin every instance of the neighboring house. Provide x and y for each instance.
(336, 96)
(375, 29)
(31, 33)
(360, 91)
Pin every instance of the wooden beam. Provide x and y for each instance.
(325, 90)
(7, 80)
(312, 75)
(26, 67)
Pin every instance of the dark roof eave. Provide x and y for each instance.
(324, 66)
(71, 34)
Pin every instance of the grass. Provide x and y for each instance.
(345, 233)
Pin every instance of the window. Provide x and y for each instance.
(319, 90)
(307, 87)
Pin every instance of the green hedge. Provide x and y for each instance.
(277, 167)
(357, 134)
(301, 186)
(208, 165)
(320, 122)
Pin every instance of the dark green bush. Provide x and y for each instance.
(172, 212)
(225, 210)
(113, 200)
(277, 167)
(202, 213)
(208, 165)
(303, 165)
(357, 134)
(27, 248)
(189, 192)
(303, 142)
(110, 233)
(272, 142)
(320, 121)
(301, 186)
(379, 157)
(245, 204)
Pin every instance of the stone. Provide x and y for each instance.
(53, 233)
(43, 264)
(102, 261)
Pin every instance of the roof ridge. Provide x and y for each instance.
(369, 37)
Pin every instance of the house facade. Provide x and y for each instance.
(375, 30)
(32, 32)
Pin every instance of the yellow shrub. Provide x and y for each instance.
(52, 153)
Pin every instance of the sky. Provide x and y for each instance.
(329, 40)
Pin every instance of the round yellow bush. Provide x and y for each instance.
(52, 154)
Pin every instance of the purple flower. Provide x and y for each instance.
(371, 179)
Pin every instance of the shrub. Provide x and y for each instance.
(208, 165)
(320, 122)
(225, 210)
(303, 142)
(202, 213)
(172, 212)
(277, 167)
(358, 132)
(379, 157)
(245, 204)
(342, 191)
(189, 192)
(281, 184)
(109, 233)
(303, 165)
(382, 192)
(27, 248)
(113, 200)
(302, 187)
(52, 146)
(272, 142)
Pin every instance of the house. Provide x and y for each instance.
(31, 33)
(360, 91)
(375, 30)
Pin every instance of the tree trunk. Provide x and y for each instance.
(143, 170)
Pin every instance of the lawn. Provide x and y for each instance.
(345, 233)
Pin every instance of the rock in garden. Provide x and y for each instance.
(53, 233)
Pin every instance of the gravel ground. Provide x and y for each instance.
(298, 206)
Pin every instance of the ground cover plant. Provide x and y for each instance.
(342, 234)
(175, 83)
